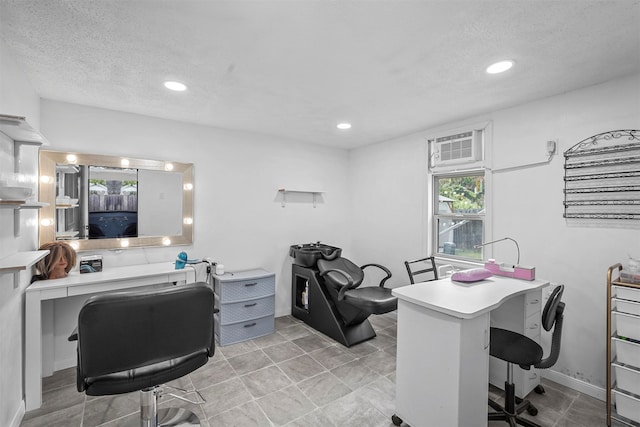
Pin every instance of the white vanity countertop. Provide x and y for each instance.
(111, 274)
(466, 300)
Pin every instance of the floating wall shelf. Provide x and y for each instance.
(17, 128)
(285, 191)
(19, 261)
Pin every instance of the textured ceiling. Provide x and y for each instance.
(294, 69)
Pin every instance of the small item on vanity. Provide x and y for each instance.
(219, 269)
(181, 260)
(91, 264)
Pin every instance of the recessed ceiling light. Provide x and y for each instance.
(344, 126)
(499, 67)
(177, 86)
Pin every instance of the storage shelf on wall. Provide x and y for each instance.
(284, 191)
(591, 193)
(17, 128)
(20, 261)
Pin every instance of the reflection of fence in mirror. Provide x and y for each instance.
(112, 202)
(160, 203)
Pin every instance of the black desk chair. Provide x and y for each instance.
(516, 348)
(414, 268)
(136, 340)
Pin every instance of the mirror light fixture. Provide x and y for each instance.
(175, 86)
(166, 241)
(168, 166)
(343, 126)
(124, 162)
(72, 158)
(45, 179)
(124, 243)
(499, 67)
(188, 221)
(188, 186)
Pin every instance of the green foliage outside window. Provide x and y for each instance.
(466, 191)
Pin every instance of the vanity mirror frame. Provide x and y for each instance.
(47, 194)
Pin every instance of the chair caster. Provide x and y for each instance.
(539, 389)
(396, 420)
(532, 410)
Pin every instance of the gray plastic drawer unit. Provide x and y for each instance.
(246, 300)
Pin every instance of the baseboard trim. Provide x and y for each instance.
(64, 364)
(19, 415)
(575, 384)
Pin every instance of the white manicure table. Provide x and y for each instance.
(442, 373)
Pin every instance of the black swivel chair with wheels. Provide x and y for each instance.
(136, 340)
(349, 305)
(415, 268)
(515, 348)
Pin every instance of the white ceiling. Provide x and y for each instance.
(294, 69)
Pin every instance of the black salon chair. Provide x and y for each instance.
(515, 348)
(423, 266)
(351, 303)
(137, 340)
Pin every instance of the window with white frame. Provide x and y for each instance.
(459, 214)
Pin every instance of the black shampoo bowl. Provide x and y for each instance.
(308, 254)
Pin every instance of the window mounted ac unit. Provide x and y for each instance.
(459, 148)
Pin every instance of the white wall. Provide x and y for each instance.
(238, 219)
(388, 182)
(17, 97)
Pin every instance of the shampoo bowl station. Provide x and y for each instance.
(326, 293)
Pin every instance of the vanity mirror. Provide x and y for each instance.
(111, 202)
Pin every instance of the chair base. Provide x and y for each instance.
(510, 412)
(151, 416)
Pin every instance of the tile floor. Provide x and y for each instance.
(294, 377)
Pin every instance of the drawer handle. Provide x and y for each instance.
(251, 305)
(251, 284)
(250, 325)
(534, 326)
(535, 301)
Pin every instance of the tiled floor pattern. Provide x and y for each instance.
(294, 377)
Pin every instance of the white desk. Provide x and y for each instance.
(442, 372)
(117, 278)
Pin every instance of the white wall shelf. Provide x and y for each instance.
(21, 204)
(21, 132)
(17, 128)
(284, 191)
(20, 261)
